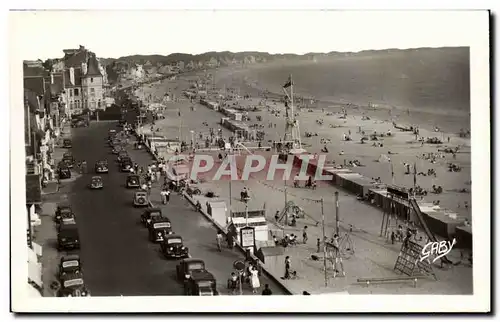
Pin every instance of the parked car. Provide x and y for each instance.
(69, 264)
(133, 181)
(69, 161)
(96, 182)
(141, 199)
(116, 149)
(101, 166)
(121, 155)
(61, 210)
(126, 165)
(67, 143)
(73, 285)
(150, 215)
(63, 171)
(173, 247)
(67, 237)
(187, 266)
(159, 228)
(201, 283)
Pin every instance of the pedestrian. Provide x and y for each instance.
(267, 290)
(287, 267)
(136, 167)
(158, 174)
(393, 237)
(277, 215)
(318, 244)
(167, 195)
(304, 235)
(163, 194)
(233, 282)
(254, 279)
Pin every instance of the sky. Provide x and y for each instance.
(44, 34)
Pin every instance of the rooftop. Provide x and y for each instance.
(35, 84)
(58, 85)
(34, 71)
(93, 67)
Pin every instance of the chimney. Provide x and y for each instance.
(51, 78)
(72, 76)
(84, 68)
(82, 48)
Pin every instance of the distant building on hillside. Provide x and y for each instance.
(84, 81)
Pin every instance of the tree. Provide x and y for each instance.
(48, 64)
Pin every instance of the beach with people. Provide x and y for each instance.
(391, 145)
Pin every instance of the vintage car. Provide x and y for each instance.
(69, 161)
(79, 123)
(67, 237)
(111, 132)
(126, 165)
(96, 182)
(187, 266)
(141, 199)
(67, 143)
(150, 215)
(63, 171)
(69, 264)
(101, 166)
(117, 149)
(62, 210)
(172, 247)
(133, 181)
(73, 285)
(201, 283)
(159, 228)
(67, 154)
(121, 155)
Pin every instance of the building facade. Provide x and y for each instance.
(84, 81)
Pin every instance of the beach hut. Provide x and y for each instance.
(441, 224)
(357, 184)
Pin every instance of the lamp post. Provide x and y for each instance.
(192, 139)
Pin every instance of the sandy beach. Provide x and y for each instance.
(401, 147)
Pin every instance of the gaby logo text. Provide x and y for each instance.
(438, 249)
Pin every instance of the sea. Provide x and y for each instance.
(429, 87)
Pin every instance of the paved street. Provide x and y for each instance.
(117, 257)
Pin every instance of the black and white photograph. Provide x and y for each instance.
(163, 155)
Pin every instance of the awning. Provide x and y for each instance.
(33, 189)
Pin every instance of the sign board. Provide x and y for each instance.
(247, 237)
(239, 265)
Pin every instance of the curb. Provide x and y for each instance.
(277, 280)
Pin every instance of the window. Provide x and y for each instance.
(70, 92)
(91, 79)
(76, 92)
(71, 106)
(99, 104)
(92, 92)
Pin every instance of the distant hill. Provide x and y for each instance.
(115, 67)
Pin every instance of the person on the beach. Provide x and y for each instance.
(304, 235)
(287, 267)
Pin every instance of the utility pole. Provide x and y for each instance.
(337, 212)
(286, 209)
(324, 242)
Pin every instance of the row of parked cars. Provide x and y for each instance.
(70, 275)
(197, 280)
